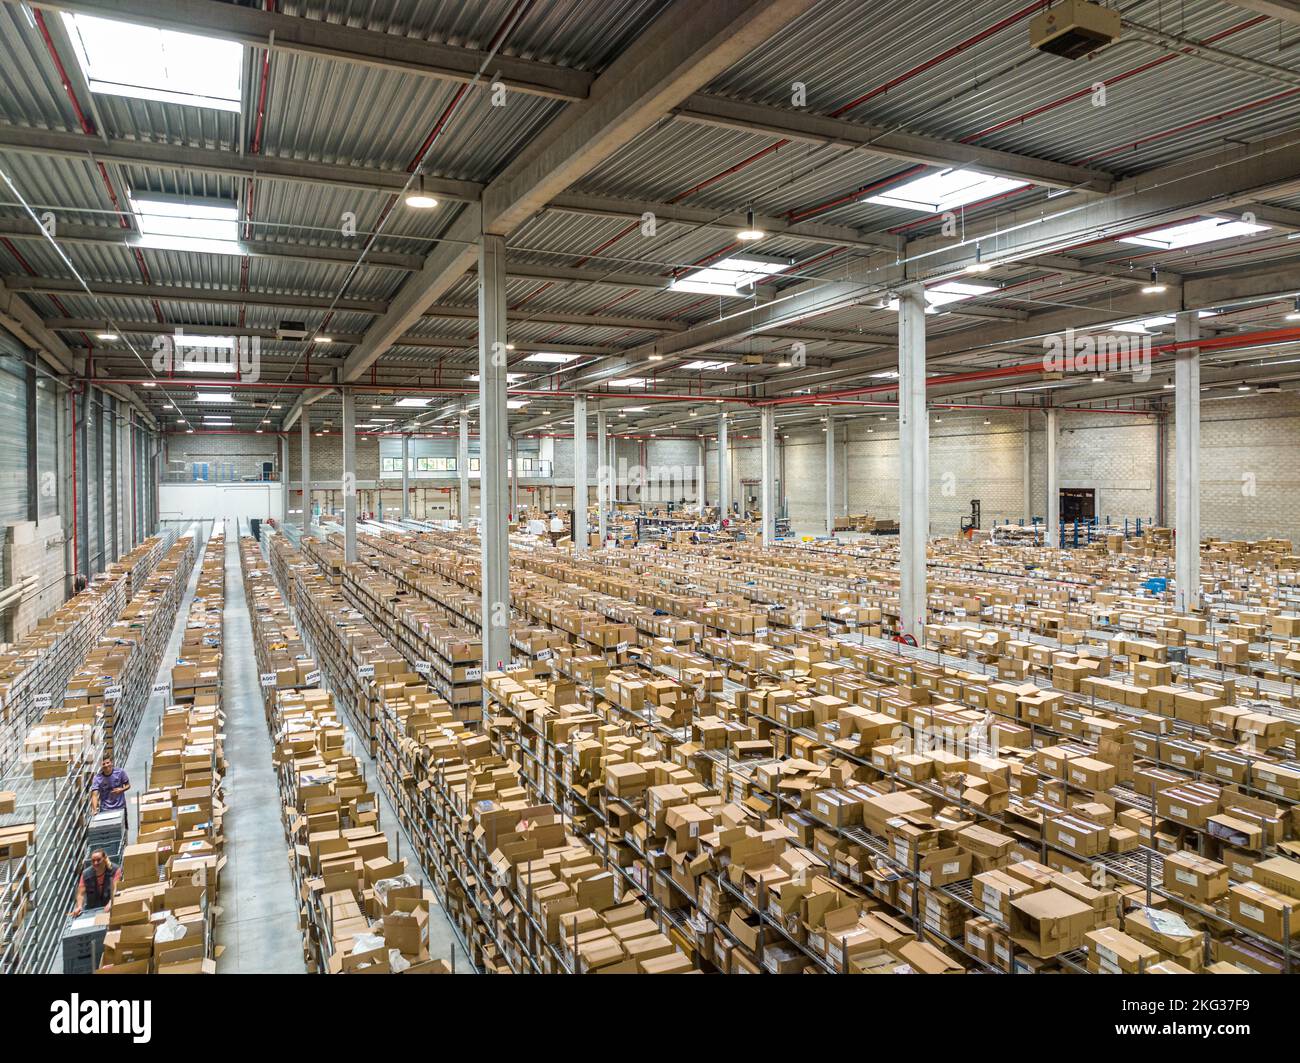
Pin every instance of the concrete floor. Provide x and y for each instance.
(258, 924)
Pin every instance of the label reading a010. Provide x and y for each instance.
(423, 667)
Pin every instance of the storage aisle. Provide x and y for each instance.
(259, 918)
(137, 761)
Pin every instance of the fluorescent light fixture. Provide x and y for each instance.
(106, 336)
(551, 358)
(214, 396)
(223, 343)
(125, 59)
(181, 223)
(1156, 286)
(150, 384)
(1187, 234)
(207, 367)
(628, 382)
(731, 276)
(706, 365)
(276, 406)
(412, 402)
(634, 409)
(944, 190)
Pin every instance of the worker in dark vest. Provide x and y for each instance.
(95, 888)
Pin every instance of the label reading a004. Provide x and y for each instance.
(112, 693)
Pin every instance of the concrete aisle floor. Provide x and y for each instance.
(259, 918)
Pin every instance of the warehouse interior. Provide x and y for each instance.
(640, 486)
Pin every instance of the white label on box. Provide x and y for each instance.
(365, 671)
(161, 688)
(1001, 952)
(1178, 810)
(952, 868)
(1068, 839)
(759, 632)
(1251, 912)
(423, 667)
(1274, 788)
(313, 677)
(959, 612)
(545, 655)
(1224, 769)
(268, 679)
(43, 701)
(112, 693)
(976, 940)
(1185, 877)
(473, 675)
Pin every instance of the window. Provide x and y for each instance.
(473, 465)
(1188, 234)
(944, 190)
(122, 59)
(390, 464)
(180, 223)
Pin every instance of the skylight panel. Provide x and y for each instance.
(730, 276)
(551, 357)
(412, 402)
(123, 59)
(178, 223)
(706, 365)
(945, 190)
(1188, 234)
(628, 382)
(950, 292)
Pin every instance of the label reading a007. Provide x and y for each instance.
(268, 679)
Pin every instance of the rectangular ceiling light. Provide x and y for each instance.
(1187, 234)
(551, 358)
(207, 367)
(221, 343)
(182, 223)
(123, 59)
(706, 365)
(945, 190)
(628, 382)
(412, 402)
(731, 276)
(214, 396)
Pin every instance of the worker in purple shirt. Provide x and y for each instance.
(109, 787)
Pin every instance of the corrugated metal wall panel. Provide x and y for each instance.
(13, 435)
(47, 447)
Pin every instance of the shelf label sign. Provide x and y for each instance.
(621, 648)
(423, 667)
(366, 671)
(268, 679)
(161, 688)
(43, 701)
(112, 693)
(473, 675)
(313, 677)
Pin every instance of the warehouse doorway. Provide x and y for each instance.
(1078, 503)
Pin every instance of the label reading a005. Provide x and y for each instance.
(161, 688)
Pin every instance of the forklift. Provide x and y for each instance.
(969, 525)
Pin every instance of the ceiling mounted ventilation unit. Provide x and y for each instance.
(291, 330)
(1074, 29)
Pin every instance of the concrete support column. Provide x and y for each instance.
(603, 474)
(724, 467)
(580, 474)
(701, 499)
(514, 477)
(1187, 464)
(493, 488)
(914, 464)
(1053, 484)
(832, 494)
(406, 476)
(1027, 492)
(767, 487)
(349, 476)
(284, 479)
(304, 420)
(462, 469)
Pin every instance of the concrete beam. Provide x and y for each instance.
(888, 142)
(329, 40)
